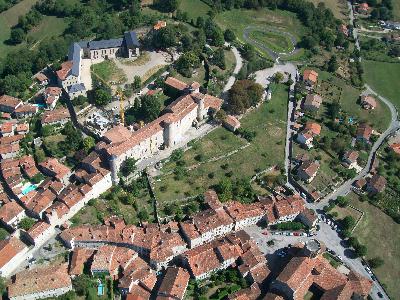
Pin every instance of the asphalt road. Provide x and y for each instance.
(238, 66)
(345, 188)
(326, 235)
(275, 55)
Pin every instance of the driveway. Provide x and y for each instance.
(239, 64)
(85, 73)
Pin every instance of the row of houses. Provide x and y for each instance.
(305, 270)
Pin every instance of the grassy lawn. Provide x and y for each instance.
(273, 40)
(50, 26)
(338, 7)
(383, 78)
(8, 19)
(346, 211)
(267, 149)
(108, 71)
(381, 236)
(239, 19)
(194, 8)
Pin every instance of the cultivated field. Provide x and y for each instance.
(267, 149)
(384, 79)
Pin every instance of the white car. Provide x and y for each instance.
(340, 258)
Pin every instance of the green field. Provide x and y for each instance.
(108, 71)
(8, 19)
(194, 8)
(239, 19)
(381, 236)
(275, 41)
(50, 26)
(267, 149)
(384, 79)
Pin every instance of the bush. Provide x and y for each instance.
(376, 262)
(26, 223)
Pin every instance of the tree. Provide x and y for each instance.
(129, 166)
(332, 64)
(360, 250)
(229, 35)
(47, 130)
(167, 5)
(143, 215)
(102, 97)
(221, 115)
(278, 77)
(200, 22)
(342, 201)
(37, 178)
(187, 62)
(26, 223)
(80, 100)
(137, 82)
(17, 36)
(394, 51)
(3, 286)
(376, 262)
(224, 189)
(176, 155)
(82, 283)
(348, 222)
(3, 234)
(218, 59)
(88, 143)
(244, 94)
(150, 107)
(165, 38)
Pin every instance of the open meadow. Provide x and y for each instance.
(50, 26)
(380, 234)
(267, 149)
(384, 79)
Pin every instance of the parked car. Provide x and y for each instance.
(380, 295)
(340, 258)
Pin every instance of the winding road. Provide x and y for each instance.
(345, 188)
(274, 54)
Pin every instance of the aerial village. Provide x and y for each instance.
(60, 153)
